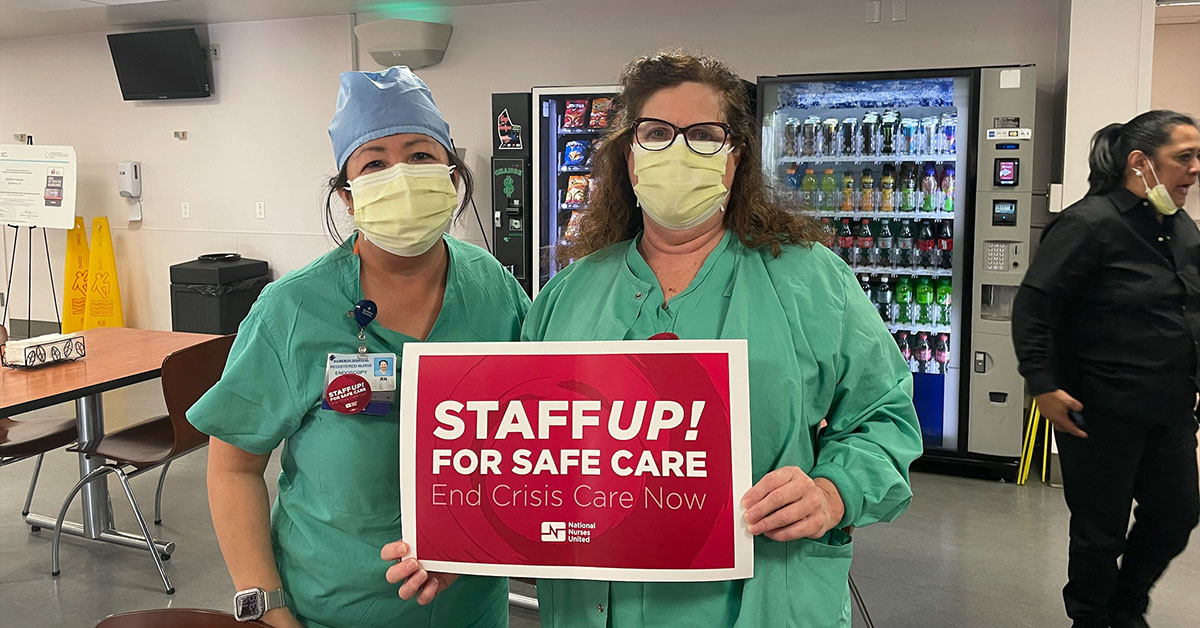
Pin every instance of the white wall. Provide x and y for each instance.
(506, 48)
(262, 137)
(1176, 82)
(1109, 69)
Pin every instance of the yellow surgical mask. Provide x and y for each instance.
(678, 187)
(1158, 195)
(404, 209)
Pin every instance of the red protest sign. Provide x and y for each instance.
(598, 460)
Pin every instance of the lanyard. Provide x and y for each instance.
(364, 313)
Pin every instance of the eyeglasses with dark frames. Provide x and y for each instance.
(703, 138)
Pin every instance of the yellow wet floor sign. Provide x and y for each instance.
(103, 292)
(75, 274)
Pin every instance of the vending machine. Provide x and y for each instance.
(922, 179)
(569, 123)
(511, 151)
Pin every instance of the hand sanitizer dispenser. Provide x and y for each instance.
(129, 179)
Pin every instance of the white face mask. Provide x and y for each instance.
(404, 209)
(678, 187)
(1158, 196)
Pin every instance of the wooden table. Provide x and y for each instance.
(116, 357)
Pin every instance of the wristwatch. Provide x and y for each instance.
(252, 604)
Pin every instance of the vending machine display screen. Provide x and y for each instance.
(1008, 171)
(1004, 213)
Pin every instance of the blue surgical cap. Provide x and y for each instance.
(372, 105)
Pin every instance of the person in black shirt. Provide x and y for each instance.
(1106, 327)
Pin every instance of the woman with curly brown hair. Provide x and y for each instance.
(683, 236)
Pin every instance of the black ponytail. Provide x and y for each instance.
(1112, 144)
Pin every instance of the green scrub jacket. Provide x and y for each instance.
(818, 351)
(339, 492)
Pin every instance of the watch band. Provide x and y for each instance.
(274, 599)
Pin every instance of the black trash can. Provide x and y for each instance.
(214, 292)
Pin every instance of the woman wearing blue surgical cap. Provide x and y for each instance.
(313, 559)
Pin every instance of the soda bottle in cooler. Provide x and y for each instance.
(845, 242)
(828, 191)
(929, 188)
(808, 191)
(881, 255)
(866, 192)
(865, 283)
(941, 353)
(904, 301)
(887, 191)
(908, 187)
(925, 246)
(923, 353)
(948, 190)
(864, 243)
(903, 255)
(925, 301)
(902, 343)
(935, 253)
(792, 184)
(944, 295)
(830, 234)
(883, 299)
(848, 187)
(949, 133)
(945, 245)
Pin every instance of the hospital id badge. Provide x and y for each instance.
(376, 370)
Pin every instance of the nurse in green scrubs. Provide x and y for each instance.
(339, 495)
(708, 255)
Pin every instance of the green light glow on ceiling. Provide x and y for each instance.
(420, 11)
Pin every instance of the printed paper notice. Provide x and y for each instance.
(37, 186)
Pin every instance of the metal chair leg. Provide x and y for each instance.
(158, 495)
(858, 601)
(37, 468)
(137, 512)
(62, 513)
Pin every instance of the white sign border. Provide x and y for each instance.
(739, 403)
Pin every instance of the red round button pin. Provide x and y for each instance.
(348, 394)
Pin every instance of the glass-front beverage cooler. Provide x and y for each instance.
(893, 165)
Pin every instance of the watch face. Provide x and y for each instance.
(248, 605)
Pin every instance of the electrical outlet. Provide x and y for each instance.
(899, 10)
(214, 52)
(186, 209)
(20, 138)
(260, 210)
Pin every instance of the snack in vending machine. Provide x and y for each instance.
(577, 189)
(572, 230)
(575, 113)
(574, 153)
(599, 116)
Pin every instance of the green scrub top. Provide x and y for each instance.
(339, 490)
(817, 351)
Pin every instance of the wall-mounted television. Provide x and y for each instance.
(157, 65)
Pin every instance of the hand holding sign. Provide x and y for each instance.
(423, 585)
(787, 505)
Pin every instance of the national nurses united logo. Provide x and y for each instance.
(554, 532)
